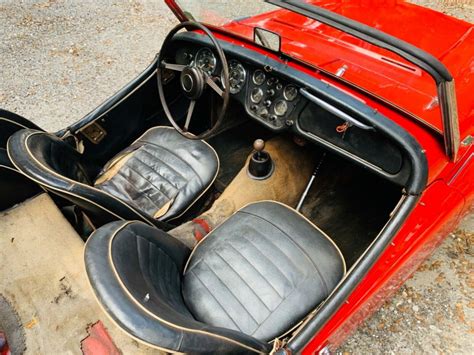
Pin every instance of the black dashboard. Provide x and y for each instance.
(267, 97)
(282, 102)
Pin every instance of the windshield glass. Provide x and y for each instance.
(371, 68)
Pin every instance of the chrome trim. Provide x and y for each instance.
(461, 169)
(335, 111)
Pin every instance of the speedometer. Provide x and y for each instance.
(237, 75)
(206, 61)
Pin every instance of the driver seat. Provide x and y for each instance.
(157, 178)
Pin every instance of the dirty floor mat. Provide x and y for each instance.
(44, 280)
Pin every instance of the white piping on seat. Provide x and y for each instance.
(132, 298)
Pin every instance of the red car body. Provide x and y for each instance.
(449, 194)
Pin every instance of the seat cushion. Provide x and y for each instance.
(261, 271)
(162, 173)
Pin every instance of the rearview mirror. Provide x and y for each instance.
(267, 39)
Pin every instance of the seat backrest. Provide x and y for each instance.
(59, 168)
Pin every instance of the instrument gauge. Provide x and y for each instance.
(258, 77)
(290, 92)
(206, 61)
(237, 75)
(256, 95)
(280, 108)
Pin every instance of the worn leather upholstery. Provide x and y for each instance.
(161, 173)
(261, 271)
(136, 274)
(58, 167)
(249, 281)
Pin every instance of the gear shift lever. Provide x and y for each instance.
(261, 164)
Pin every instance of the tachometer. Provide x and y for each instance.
(237, 76)
(206, 60)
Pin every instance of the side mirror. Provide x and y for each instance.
(267, 39)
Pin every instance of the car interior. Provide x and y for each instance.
(230, 236)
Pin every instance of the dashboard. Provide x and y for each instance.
(281, 98)
(267, 97)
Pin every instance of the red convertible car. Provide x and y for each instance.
(271, 178)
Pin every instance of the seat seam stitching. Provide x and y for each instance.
(157, 173)
(141, 193)
(297, 245)
(219, 303)
(164, 163)
(184, 161)
(230, 291)
(245, 282)
(152, 184)
(263, 277)
(271, 262)
(270, 242)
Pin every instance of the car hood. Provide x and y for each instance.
(376, 70)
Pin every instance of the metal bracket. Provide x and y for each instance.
(94, 133)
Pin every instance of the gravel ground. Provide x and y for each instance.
(60, 59)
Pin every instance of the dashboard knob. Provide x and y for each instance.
(263, 112)
(254, 107)
(273, 118)
(267, 103)
(270, 92)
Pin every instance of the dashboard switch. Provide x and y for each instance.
(267, 103)
(263, 112)
(270, 92)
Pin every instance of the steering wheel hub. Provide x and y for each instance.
(192, 82)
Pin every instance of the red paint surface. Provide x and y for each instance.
(450, 191)
(4, 348)
(98, 342)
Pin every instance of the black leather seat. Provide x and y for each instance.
(249, 281)
(156, 179)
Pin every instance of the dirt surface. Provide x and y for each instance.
(60, 59)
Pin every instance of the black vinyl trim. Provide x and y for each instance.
(413, 54)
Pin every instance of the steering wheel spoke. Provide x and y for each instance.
(189, 115)
(214, 86)
(171, 66)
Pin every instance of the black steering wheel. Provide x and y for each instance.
(193, 81)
